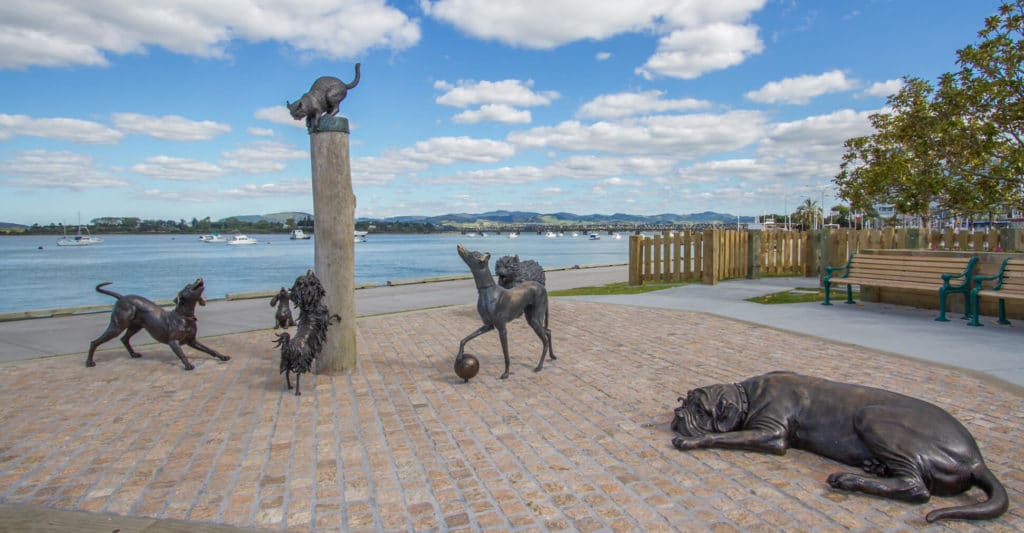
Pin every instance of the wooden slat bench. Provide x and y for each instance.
(947, 275)
(1009, 285)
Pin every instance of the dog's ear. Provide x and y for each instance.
(727, 415)
(175, 300)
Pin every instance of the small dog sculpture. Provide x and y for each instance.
(298, 353)
(913, 447)
(498, 306)
(283, 315)
(172, 328)
(511, 271)
(323, 98)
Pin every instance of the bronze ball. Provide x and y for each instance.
(467, 367)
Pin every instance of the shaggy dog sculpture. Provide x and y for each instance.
(498, 306)
(283, 315)
(172, 328)
(913, 448)
(298, 353)
(511, 271)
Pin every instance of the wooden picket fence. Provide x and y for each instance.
(713, 255)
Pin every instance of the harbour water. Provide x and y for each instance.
(38, 274)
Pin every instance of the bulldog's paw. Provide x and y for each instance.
(685, 443)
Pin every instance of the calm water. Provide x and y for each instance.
(157, 266)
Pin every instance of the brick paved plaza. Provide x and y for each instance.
(403, 444)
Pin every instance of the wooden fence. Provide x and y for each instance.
(714, 255)
(844, 242)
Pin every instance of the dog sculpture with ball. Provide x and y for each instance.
(299, 352)
(498, 306)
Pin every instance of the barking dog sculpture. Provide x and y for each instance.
(172, 328)
(498, 306)
(298, 353)
(283, 315)
(511, 271)
(913, 448)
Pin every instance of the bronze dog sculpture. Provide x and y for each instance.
(323, 98)
(511, 271)
(172, 328)
(913, 448)
(283, 315)
(498, 306)
(298, 353)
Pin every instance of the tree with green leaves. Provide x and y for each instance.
(807, 214)
(958, 147)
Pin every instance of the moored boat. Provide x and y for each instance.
(83, 238)
(241, 239)
(299, 235)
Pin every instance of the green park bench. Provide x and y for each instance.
(1009, 285)
(905, 271)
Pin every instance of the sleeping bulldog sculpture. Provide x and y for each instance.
(913, 449)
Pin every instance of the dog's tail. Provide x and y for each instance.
(99, 288)
(995, 505)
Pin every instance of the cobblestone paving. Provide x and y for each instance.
(403, 444)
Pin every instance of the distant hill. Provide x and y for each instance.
(272, 217)
(11, 225)
(562, 218)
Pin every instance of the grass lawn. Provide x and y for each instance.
(801, 295)
(615, 288)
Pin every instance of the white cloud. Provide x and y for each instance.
(169, 127)
(586, 167)
(66, 129)
(819, 136)
(691, 52)
(261, 157)
(603, 56)
(546, 24)
(801, 89)
(58, 33)
(494, 113)
(448, 150)
(177, 169)
(288, 187)
(64, 170)
(620, 105)
(261, 132)
(883, 89)
(279, 115)
(509, 92)
(677, 136)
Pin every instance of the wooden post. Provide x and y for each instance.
(754, 253)
(709, 276)
(334, 207)
(635, 269)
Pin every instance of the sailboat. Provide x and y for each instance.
(83, 238)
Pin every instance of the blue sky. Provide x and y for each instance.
(170, 109)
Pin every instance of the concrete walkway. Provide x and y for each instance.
(401, 444)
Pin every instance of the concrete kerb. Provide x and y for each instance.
(235, 296)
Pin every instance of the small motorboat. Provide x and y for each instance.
(299, 235)
(241, 239)
(360, 236)
(212, 237)
(551, 235)
(595, 236)
(513, 235)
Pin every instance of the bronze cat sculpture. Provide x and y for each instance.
(323, 98)
(913, 448)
